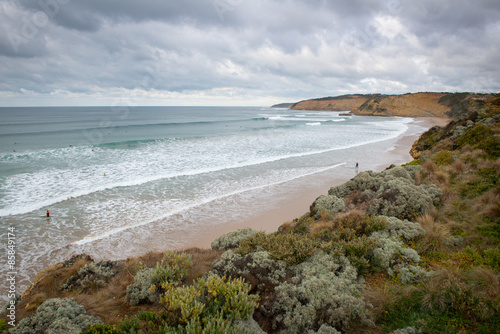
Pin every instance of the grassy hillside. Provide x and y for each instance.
(412, 249)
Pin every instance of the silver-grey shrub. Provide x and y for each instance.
(364, 180)
(248, 327)
(324, 329)
(400, 172)
(232, 239)
(325, 290)
(392, 192)
(454, 241)
(140, 292)
(407, 330)
(93, 275)
(400, 197)
(328, 203)
(57, 316)
(398, 259)
(402, 228)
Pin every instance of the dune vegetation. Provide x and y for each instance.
(411, 249)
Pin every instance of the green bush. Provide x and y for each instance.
(482, 137)
(490, 146)
(102, 329)
(57, 316)
(291, 248)
(447, 292)
(444, 158)
(485, 179)
(232, 239)
(407, 330)
(476, 135)
(416, 162)
(492, 258)
(359, 251)
(149, 282)
(172, 269)
(210, 305)
(364, 225)
(130, 325)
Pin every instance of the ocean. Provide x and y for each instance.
(122, 181)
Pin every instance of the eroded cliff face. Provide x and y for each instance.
(407, 105)
(340, 103)
(410, 105)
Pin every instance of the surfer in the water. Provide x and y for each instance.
(48, 214)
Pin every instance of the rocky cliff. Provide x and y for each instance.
(407, 105)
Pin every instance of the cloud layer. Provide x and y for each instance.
(233, 52)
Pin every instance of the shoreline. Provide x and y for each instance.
(301, 200)
(279, 204)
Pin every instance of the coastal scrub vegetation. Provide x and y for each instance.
(411, 249)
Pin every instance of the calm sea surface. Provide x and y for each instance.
(121, 180)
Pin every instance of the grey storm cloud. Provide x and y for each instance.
(260, 50)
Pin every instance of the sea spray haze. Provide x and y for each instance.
(119, 184)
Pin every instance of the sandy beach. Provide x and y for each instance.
(374, 157)
(199, 220)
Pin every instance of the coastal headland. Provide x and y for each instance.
(407, 244)
(406, 105)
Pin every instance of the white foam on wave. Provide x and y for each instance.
(314, 124)
(204, 201)
(28, 192)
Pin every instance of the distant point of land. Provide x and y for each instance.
(282, 105)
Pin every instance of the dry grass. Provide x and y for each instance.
(429, 166)
(435, 288)
(109, 301)
(418, 179)
(434, 213)
(353, 215)
(478, 154)
(150, 259)
(489, 204)
(486, 280)
(459, 166)
(320, 226)
(202, 262)
(435, 233)
(442, 178)
(326, 216)
(48, 284)
(380, 297)
(448, 192)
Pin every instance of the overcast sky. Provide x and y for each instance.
(242, 52)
